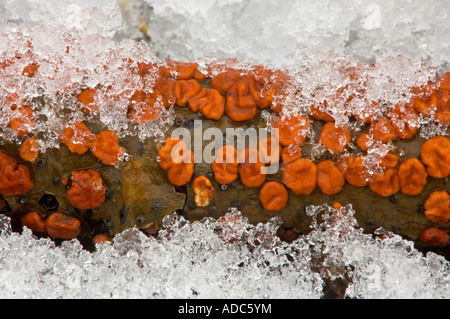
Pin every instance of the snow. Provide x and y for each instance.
(395, 45)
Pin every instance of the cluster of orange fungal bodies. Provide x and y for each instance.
(104, 145)
(301, 175)
(57, 225)
(234, 92)
(238, 94)
(86, 191)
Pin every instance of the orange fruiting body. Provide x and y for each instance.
(177, 160)
(292, 129)
(33, 221)
(223, 81)
(435, 155)
(319, 113)
(269, 150)
(383, 130)
(209, 102)
(30, 70)
(330, 179)
(29, 150)
(143, 107)
(226, 167)
(181, 173)
(412, 176)
(15, 178)
(334, 138)
(86, 190)
(437, 206)
(100, 239)
(77, 137)
(251, 170)
(59, 225)
(203, 191)
(404, 120)
(22, 120)
(435, 236)
(106, 148)
(389, 161)
(385, 183)
(171, 152)
(290, 153)
(184, 90)
(240, 104)
(365, 141)
(273, 196)
(300, 176)
(87, 97)
(355, 171)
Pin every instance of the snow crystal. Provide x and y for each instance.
(270, 31)
(224, 258)
(187, 260)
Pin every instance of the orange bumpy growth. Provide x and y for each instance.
(29, 150)
(87, 97)
(143, 107)
(389, 161)
(267, 155)
(300, 176)
(273, 196)
(435, 154)
(412, 176)
(355, 172)
(106, 148)
(184, 90)
(290, 153)
(225, 166)
(164, 89)
(330, 179)
(292, 129)
(22, 121)
(177, 160)
(435, 236)
(334, 138)
(184, 70)
(77, 137)
(86, 190)
(203, 191)
(404, 120)
(181, 173)
(426, 104)
(171, 152)
(30, 70)
(385, 183)
(437, 206)
(240, 104)
(209, 102)
(223, 81)
(318, 112)
(33, 221)
(443, 106)
(365, 141)
(251, 170)
(100, 239)
(59, 225)
(15, 178)
(383, 130)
